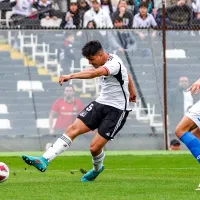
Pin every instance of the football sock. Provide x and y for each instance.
(61, 144)
(192, 143)
(98, 161)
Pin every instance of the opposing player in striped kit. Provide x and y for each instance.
(107, 113)
(188, 130)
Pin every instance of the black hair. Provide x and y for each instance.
(93, 22)
(119, 19)
(144, 4)
(91, 48)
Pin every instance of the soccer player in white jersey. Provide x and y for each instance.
(188, 130)
(107, 113)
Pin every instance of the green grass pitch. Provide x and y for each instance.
(128, 176)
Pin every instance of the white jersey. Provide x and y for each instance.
(114, 87)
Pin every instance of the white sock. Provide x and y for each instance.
(61, 144)
(98, 161)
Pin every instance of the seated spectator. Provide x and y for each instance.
(24, 13)
(118, 23)
(46, 14)
(170, 3)
(4, 7)
(46, 6)
(157, 12)
(124, 13)
(97, 14)
(91, 25)
(83, 7)
(143, 19)
(196, 8)
(72, 17)
(179, 15)
(130, 4)
(121, 41)
(107, 6)
(61, 5)
(138, 3)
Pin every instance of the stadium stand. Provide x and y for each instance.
(18, 78)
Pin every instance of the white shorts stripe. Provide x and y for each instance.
(118, 123)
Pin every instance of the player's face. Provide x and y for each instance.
(96, 60)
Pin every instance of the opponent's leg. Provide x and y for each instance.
(183, 133)
(61, 144)
(98, 155)
(196, 132)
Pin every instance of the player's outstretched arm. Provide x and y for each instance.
(195, 87)
(86, 74)
(131, 89)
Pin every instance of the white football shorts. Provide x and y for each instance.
(194, 113)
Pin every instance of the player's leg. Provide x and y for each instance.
(61, 144)
(184, 133)
(110, 126)
(196, 132)
(98, 155)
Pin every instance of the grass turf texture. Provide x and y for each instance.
(139, 176)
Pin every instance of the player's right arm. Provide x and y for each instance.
(86, 74)
(195, 87)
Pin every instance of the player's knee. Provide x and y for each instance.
(72, 131)
(179, 131)
(94, 149)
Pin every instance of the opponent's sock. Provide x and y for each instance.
(98, 161)
(61, 144)
(192, 143)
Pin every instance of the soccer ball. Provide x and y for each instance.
(4, 172)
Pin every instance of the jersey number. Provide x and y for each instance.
(89, 108)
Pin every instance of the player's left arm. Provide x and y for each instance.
(131, 89)
(86, 74)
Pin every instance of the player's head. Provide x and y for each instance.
(69, 92)
(93, 51)
(183, 82)
(175, 145)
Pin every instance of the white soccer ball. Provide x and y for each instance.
(4, 172)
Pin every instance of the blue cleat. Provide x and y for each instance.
(91, 175)
(40, 163)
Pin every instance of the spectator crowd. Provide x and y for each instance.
(93, 14)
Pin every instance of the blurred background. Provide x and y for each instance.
(41, 40)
